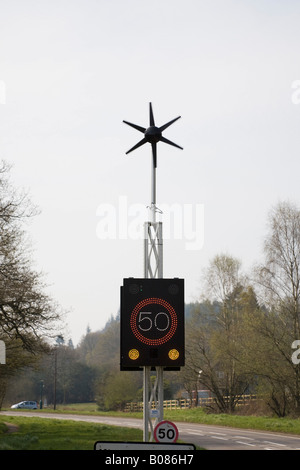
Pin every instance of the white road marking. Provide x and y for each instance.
(275, 443)
(245, 443)
(196, 433)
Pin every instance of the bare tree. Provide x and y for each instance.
(279, 282)
(222, 278)
(27, 314)
(280, 274)
(214, 334)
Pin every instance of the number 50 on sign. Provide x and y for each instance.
(165, 431)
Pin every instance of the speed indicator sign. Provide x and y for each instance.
(152, 323)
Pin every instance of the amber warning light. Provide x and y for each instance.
(152, 323)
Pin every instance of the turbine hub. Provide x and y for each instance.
(153, 134)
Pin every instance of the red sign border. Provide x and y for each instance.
(166, 422)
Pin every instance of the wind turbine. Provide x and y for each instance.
(152, 134)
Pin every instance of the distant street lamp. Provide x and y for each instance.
(41, 392)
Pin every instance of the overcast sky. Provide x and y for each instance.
(72, 70)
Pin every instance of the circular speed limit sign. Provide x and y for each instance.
(153, 321)
(165, 431)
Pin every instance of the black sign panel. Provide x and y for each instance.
(152, 323)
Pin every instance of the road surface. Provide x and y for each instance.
(206, 436)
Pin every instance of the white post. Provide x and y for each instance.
(2, 353)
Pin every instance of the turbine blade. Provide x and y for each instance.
(166, 141)
(151, 116)
(162, 128)
(135, 126)
(154, 154)
(139, 144)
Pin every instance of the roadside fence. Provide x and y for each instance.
(185, 403)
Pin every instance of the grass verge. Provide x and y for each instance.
(55, 434)
(195, 415)
(263, 423)
(199, 415)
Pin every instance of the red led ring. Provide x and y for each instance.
(135, 312)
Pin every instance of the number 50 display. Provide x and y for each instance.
(152, 323)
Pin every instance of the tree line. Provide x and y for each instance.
(240, 334)
(243, 340)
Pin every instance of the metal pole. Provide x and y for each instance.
(153, 193)
(160, 393)
(55, 376)
(146, 383)
(153, 268)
